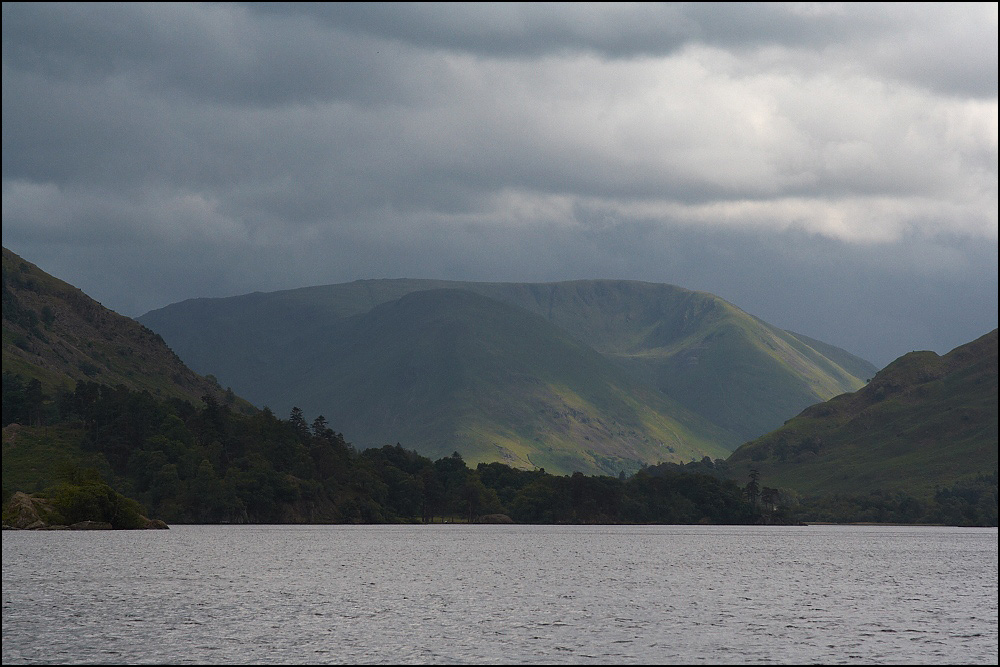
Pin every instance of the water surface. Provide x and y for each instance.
(502, 594)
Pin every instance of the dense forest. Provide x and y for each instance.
(214, 464)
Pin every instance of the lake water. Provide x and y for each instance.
(502, 594)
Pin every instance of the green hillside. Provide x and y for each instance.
(738, 372)
(923, 421)
(81, 444)
(701, 356)
(55, 333)
(445, 370)
(550, 376)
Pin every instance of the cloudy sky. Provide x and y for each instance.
(829, 168)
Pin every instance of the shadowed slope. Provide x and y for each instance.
(55, 333)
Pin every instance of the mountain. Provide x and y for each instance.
(923, 421)
(706, 373)
(56, 334)
(514, 388)
(103, 451)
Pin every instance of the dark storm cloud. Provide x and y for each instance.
(222, 54)
(618, 30)
(765, 152)
(924, 43)
(508, 29)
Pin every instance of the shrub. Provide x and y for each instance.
(96, 501)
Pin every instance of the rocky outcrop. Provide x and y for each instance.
(26, 512)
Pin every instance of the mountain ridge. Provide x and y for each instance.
(707, 356)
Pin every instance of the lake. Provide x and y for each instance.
(502, 594)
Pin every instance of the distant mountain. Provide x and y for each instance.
(452, 369)
(532, 373)
(55, 333)
(923, 421)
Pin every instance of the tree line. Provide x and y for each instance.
(212, 464)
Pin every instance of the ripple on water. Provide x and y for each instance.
(501, 594)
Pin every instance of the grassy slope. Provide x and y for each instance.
(857, 367)
(735, 370)
(35, 456)
(447, 370)
(55, 333)
(924, 420)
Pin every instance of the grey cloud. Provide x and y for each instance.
(527, 30)
(887, 38)
(950, 48)
(819, 170)
(217, 53)
(508, 29)
(268, 54)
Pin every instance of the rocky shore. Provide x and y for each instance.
(26, 512)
